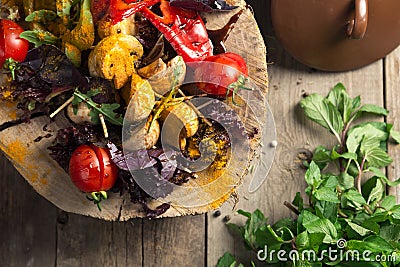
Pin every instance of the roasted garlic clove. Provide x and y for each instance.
(82, 115)
(141, 138)
(162, 78)
(179, 118)
(140, 98)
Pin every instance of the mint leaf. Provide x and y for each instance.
(369, 108)
(340, 99)
(326, 194)
(323, 112)
(358, 229)
(388, 202)
(390, 233)
(395, 135)
(267, 236)
(352, 198)
(227, 260)
(376, 157)
(255, 221)
(381, 175)
(314, 224)
(373, 190)
(346, 181)
(313, 175)
(325, 209)
(347, 155)
(356, 102)
(368, 133)
(298, 201)
(321, 156)
(395, 212)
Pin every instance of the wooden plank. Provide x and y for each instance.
(392, 86)
(38, 165)
(33, 161)
(289, 81)
(84, 241)
(27, 222)
(174, 241)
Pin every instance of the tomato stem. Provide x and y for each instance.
(235, 87)
(97, 197)
(12, 66)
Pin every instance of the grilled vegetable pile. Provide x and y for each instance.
(103, 64)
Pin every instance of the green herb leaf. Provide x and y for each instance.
(368, 133)
(358, 229)
(108, 110)
(323, 112)
(347, 155)
(255, 221)
(373, 190)
(326, 194)
(321, 156)
(313, 175)
(325, 209)
(314, 224)
(64, 10)
(376, 157)
(369, 108)
(381, 175)
(267, 236)
(339, 98)
(346, 181)
(352, 198)
(298, 201)
(227, 260)
(39, 37)
(395, 135)
(395, 212)
(41, 16)
(388, 202)
(390, 233)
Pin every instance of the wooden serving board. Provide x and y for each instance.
(32, 159)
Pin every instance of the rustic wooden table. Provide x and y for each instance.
(36, 233)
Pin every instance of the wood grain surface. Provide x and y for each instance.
(35, 233)
(32, 159)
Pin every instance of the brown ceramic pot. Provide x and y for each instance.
(337, 35)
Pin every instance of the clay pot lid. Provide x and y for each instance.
(337, 35)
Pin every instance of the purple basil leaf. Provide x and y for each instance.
(151, 214)
(167, 160)
(203, 5)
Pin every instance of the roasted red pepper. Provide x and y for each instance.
(120, 9)
(184, 29)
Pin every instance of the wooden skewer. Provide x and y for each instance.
(66, 103)
(103, 124)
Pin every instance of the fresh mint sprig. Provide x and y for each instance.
(338, 206)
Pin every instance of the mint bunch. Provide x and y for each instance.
(342, 222)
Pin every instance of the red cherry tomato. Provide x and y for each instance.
(11, 46)
(225, 69)
(91, 169)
